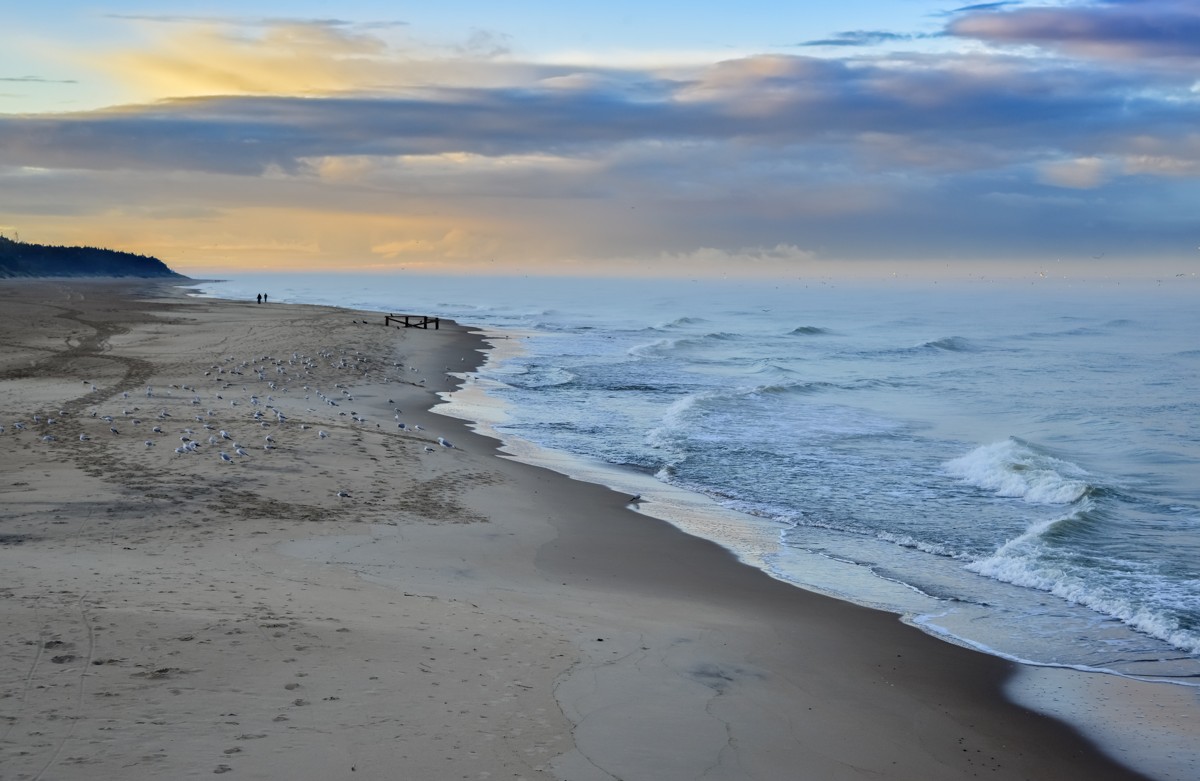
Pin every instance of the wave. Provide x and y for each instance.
(809, 330)
(954, 344)
(679, 322)
(1026, 561)
(657, 347)
(908, 541)
(1014, 468)
(687, 344)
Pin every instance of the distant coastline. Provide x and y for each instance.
(22, 259)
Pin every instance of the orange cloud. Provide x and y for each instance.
(189, 59)
(212, 59)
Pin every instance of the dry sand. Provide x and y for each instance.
(452, 615)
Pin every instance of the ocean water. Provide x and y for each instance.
(1014, 467)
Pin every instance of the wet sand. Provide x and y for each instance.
(373, 604)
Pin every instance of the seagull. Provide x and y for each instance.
(428, 449)
(226, 458)
(149, 443)
(84, 437)
(240, 451)
(113, 430)
(635, 499)
(444, 442)
(322, 434)
(225, 434)
(343, 494)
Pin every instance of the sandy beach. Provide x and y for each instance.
(352, 599)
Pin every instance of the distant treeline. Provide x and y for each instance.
(19, 259)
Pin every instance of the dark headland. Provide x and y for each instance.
(21, 259)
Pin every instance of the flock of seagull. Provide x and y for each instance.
(192, 414)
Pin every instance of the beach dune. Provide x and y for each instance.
(345, 598)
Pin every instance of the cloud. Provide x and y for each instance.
(253, 21)
(199, 57)
(713, 257)
(36, 80)
(862, 38)
(1084, 173)
(282, 59)
(984, 7)
(774, 102)
(1114, 29)
(359, 147)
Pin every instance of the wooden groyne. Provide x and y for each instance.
(412, 321)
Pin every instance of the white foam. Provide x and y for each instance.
(1012, 468)
(1022, 561)
(657, 347)
(908, 541)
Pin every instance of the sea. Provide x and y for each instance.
(1009, 465)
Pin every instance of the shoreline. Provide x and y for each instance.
(1147, 720)
(591, 641)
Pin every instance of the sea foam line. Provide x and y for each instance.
(925, 623)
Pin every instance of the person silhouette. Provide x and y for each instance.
(260, 298)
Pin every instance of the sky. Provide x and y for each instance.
(758, 138)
